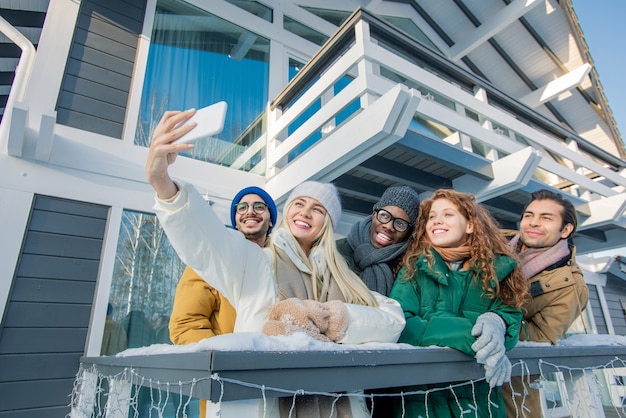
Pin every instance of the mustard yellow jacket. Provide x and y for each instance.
(199, 311)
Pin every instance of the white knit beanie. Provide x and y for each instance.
(325, 193)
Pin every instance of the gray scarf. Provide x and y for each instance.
(375, 262)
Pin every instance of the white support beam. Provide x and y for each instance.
(605, 211)
(443, 115)
(369, 132)
(554, 88)
(488, 29)
(510, 173)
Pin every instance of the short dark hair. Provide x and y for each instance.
(568, 213)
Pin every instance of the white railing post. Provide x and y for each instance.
(85, 398)
(118, 403)
(585, 400)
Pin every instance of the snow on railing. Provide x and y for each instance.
(577, 375)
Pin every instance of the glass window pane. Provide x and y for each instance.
(145, 275)
(410, 28)
(304, 31)
(255, 8)
(336, 17)
(197, 59)
(294, 68)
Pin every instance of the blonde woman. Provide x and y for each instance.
(299, 283)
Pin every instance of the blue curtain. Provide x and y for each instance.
(191, 65)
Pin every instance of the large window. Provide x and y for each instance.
(145, 276)
(196, 59)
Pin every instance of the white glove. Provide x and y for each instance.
(489, 346)
(499, 373)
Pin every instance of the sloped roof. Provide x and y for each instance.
(543, 44)
(579, 150)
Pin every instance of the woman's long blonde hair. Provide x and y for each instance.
(351, 286)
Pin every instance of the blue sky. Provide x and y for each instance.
(604, 26)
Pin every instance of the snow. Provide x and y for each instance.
(586, 340)
(256, 341)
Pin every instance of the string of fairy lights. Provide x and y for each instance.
(96, 394)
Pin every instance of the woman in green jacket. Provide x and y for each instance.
(460, 286)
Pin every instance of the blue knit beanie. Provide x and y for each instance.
(271, 206)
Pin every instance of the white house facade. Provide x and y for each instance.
(498, 98)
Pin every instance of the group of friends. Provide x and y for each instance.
(434, 273)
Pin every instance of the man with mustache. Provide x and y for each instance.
(199, 310)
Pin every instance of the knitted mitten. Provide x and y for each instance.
(282, 327)
(338, 321)
(296, 315)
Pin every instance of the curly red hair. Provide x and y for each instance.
(485, 241)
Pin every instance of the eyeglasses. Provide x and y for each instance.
(385, 217)
(257, 207)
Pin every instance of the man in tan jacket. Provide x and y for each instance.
(199, 310)
(557, 287)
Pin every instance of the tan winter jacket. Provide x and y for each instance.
(558, 298)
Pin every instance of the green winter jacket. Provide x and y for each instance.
(441, 307)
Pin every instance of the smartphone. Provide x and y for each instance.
(210, 121)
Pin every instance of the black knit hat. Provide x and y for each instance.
(403, 197)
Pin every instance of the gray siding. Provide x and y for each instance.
(615, 293)
(45, 324)
(594, 304)
(95, 87)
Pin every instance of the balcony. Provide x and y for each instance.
(106, 386)
(375, 107)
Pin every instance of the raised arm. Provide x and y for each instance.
(162, 152)
(236, 267)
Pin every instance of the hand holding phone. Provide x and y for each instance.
(209, 120)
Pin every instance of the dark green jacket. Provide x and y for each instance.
(441, 306)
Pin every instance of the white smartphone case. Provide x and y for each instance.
(210, 121)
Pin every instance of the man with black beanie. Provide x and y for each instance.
(375, 245)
